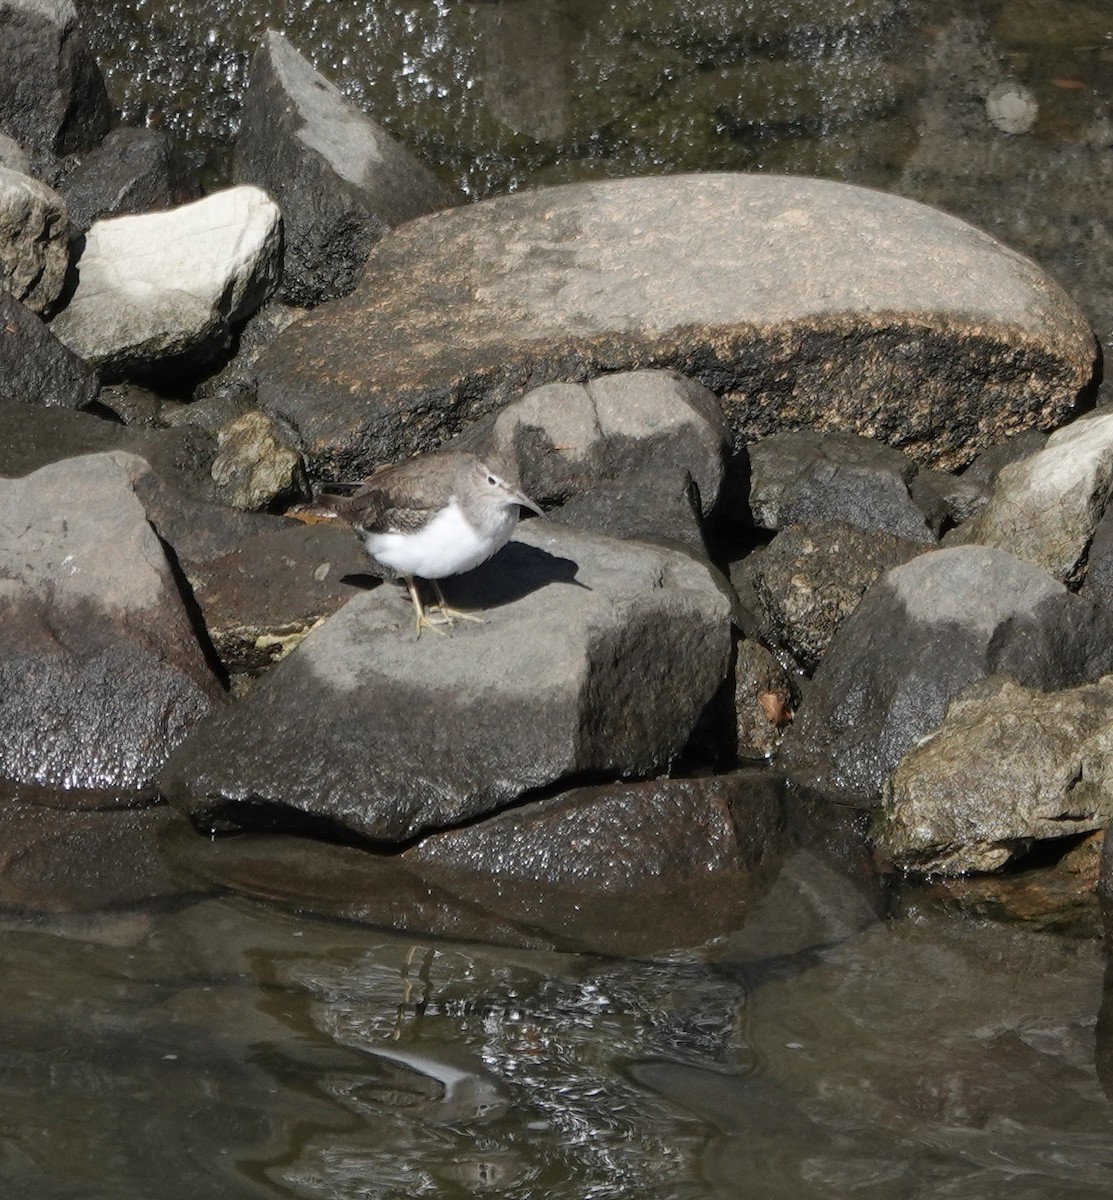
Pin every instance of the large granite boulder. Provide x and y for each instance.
(1008, 767)
(921, 634)
(340, 179)
(35, 368)
(597, 657)
(165, 290)
(52, 95)
(1045, 508)
(34, 240)
(101, 674)
(801, 302)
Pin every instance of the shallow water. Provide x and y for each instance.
(231, 1049)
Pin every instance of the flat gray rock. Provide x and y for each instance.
(101, 675)
(162, 290)
(920, 635)
(340, 179)
(596, 656)
(800, 302)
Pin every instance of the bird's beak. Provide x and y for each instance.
(522, 499)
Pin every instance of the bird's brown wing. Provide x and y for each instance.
(395, 499)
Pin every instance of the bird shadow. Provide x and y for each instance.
(513, 573)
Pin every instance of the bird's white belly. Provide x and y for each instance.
(447, 545)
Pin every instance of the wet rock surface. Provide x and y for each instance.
(802, 478)
(925, 631)
(103, 675)
(35, 368)
(810, 578)
(802, 328)
(52, 98)
(340, 179)
(601, 655)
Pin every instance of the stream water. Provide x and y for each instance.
(232, 1048)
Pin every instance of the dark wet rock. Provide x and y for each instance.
(1007, 768)
(763, 700)
(131, 171)
(102, 674)
(261, 591)
(1059, 898)
(1105, 897)
(62, 860)
(1045, 508)
(920, 635)
(987, 465)
(52, 95)
(801, 478)
(35, 368)
(31, 438)
(34, 241)
(810, 578)
(252, 338)
(597, 656)
(340, 179)
(162, 291)
(801, 303)
(945, 499)
(619, 838)
(637, 454)
(1098, 584)
(256, 464)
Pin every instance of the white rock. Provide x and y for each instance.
(1044, 509)
(169, 286)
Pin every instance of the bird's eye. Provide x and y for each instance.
(492, 481)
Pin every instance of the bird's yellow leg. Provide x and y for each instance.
(451, 614)
(422, 621)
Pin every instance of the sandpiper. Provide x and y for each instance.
(435, 515)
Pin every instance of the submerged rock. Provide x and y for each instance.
(340, 179)
(166, 289)
(101, 675)
(799, 301)
(596, 656)
(920, 635)
(1009, 766)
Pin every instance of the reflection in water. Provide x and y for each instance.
(227, 1049)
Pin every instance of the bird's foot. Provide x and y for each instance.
(452, 615)
(424, 622)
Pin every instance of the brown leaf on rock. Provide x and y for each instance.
(775, 708)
